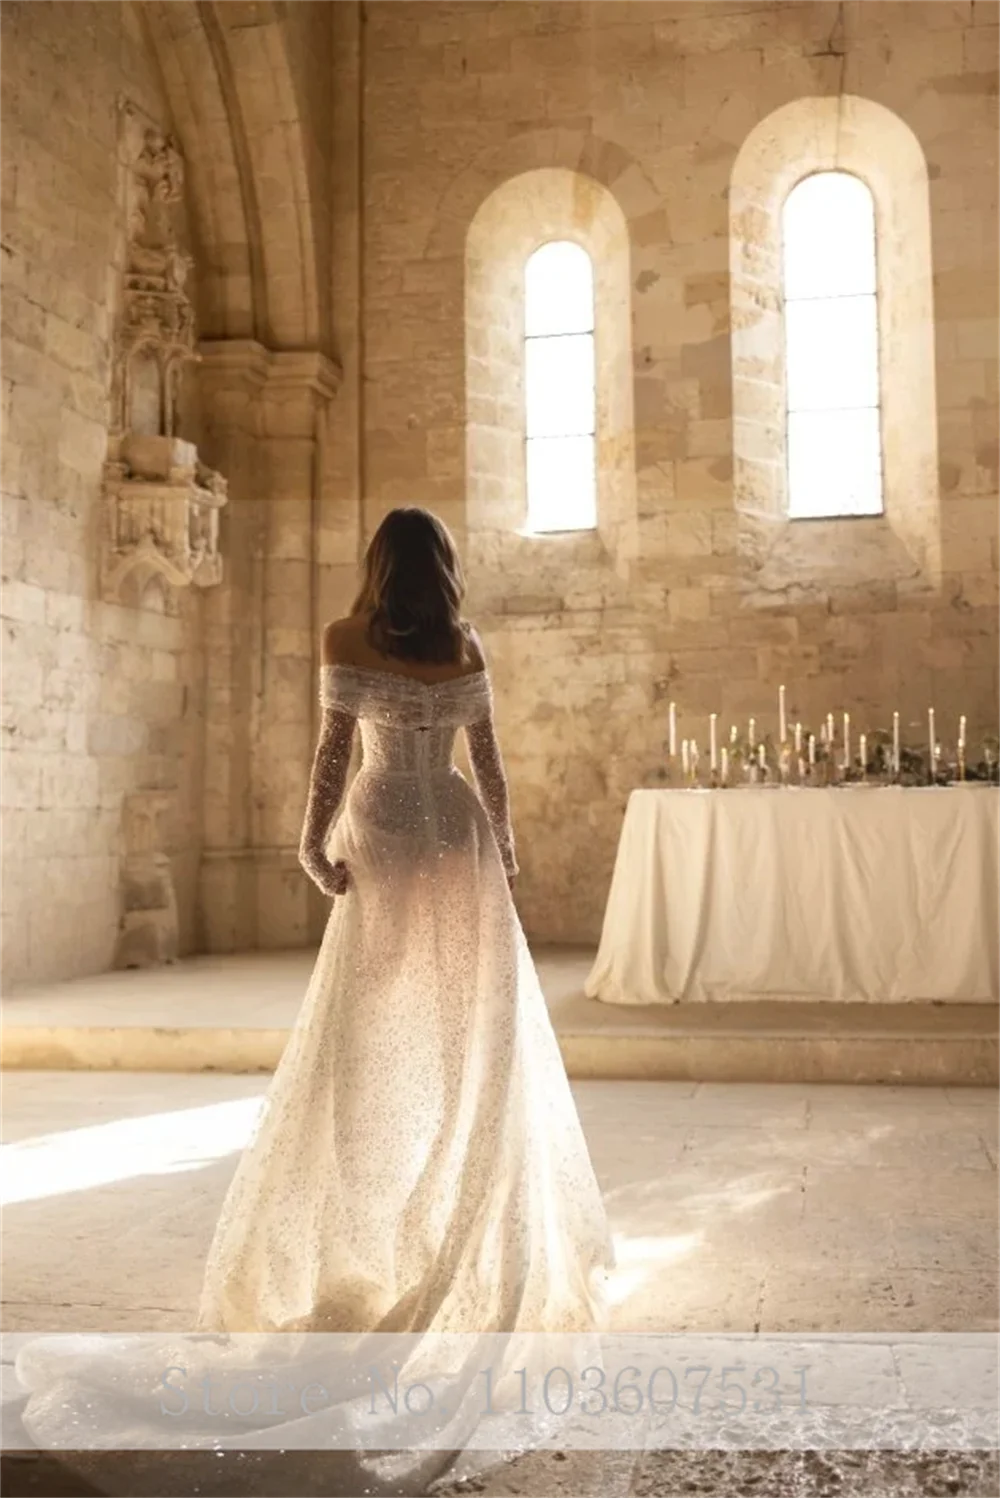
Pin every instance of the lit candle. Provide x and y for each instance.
(863, 752)
(847, 741)
(932, 738)
(761, 756)
(725, 765)
(895, 743)
(734, 734)
(752, 735)
(713, 752)
(685, 756)
(961, 732)
(673, 729)
(812, 748)
(798, 738)
(829, 729)
(782, 725)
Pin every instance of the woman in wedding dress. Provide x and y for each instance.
(419, 1165)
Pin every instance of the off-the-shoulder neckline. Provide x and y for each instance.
(449, 681)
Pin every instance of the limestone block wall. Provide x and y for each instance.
(101, 700)
(700, 593)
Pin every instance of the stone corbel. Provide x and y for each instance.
(287, 386)
(163, 515)
(299, 385)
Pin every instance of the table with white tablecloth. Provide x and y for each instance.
(861, 894)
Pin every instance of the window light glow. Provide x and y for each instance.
(831, 348)
(560, 388)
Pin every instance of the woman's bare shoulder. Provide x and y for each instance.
(476, 654)
(342, 639)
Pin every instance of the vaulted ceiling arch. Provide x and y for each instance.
(256, 175)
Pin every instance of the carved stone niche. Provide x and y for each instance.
(162, 503)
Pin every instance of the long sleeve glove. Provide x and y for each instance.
(326, 789)
(491, 783)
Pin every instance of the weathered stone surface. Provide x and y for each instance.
(394, 235)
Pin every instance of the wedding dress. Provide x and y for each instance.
(418, 1167)
(419, 1164)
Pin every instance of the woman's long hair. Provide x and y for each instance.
(413, 588)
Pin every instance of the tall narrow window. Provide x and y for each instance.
(559, 388)
(831, 348)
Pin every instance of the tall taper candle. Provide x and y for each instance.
(895, 743)
(961, 732)
(812, 748)
(798, 738)
(713, 753)
(932, 737)
(863, 753)
(752, 734)
(684, 756)
(762, 756)
(725, 765)
(782, 724)
(673, 729)
(829, 729)
(847, 741)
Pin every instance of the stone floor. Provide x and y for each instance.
(735, 1207)
(652, 1474)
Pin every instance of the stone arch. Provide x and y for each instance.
(577, 151)
(521, 213)
(856, 135)
(252, 179)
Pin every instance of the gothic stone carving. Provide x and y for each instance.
(162, 502)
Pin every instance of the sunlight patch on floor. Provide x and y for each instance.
(638, 1260)
(99, 1154)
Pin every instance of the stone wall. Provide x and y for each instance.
(698, 599)
(362, 184)
(103, 720)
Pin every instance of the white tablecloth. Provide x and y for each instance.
(873, 894)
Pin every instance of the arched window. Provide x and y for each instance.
(559, 385)
(834, 442)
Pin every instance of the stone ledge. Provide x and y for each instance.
(234, 1013)
(728, 1043)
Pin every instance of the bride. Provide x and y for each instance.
(419, 1164)
(418, 1168)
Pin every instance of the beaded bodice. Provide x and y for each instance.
(407, 726)
(408, 732)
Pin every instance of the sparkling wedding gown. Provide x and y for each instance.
(418, 1167)
(419, 1164)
